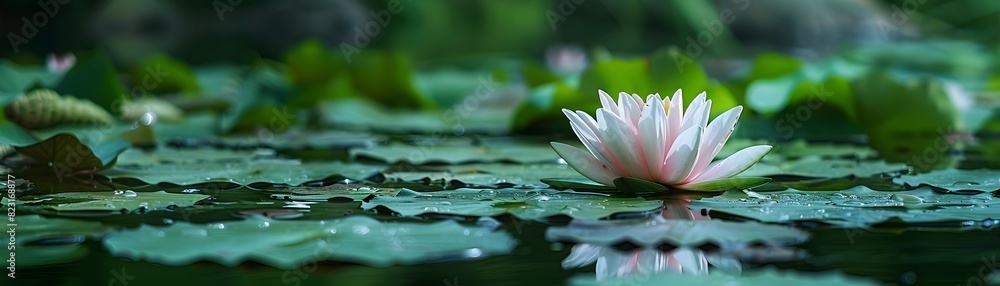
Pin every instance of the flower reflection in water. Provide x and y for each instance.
(684, 233)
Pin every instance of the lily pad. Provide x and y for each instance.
(46, 241)
(492, 174)
(655, 231)
(113, 201)
(975, 181)
(354, 192)
(815, 167)
(454, 154)
(363, 115)
(858, 206)
(288, 244)
(64, 152)
(575, 183)
(529, 204)
(767, 276)
(273, 171)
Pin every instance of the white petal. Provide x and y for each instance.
(697, 113)
(623, 141)
(675, 115)
(585, 163)
(630, 111)
(607, 102)
(715, 137)
(653, 136)
(588, 136)
(734, 164)
(682, 156)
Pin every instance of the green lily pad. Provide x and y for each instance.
(68, 232)
(575, 183)
(354, 192)
(982, 180)
(168, 155)
(800, 148)
(244, 172)
(457, 154)
(858, 206)
(113, 201)
(530, 204)
(64, 152)
(737, 183)
(633, 185)
(657, 230)
(768, 276)
(288, 244)
(492, 174)
(815, 167)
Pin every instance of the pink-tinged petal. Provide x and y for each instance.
(638, 101)
(675, 117)
(583, 162)
(630, 111)
(653, 136)
(590, 139)
(607, 102)
(734, 164)
(697, 113)
(623, 140)
(715, 137)
(682, 156)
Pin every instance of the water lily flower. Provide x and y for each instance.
(60, 64)
(658, 141)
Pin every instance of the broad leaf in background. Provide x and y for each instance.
(16, 79)
(916, 130)
(387, 77)
(161, 74)
(94, 78)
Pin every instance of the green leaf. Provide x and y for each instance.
(575, 183)
(976, 181)
(289, 244)
(312, 63)
(456, 152)
(64, 152)
(387, 77)
(530, 204)
(16, 136)
(94, 78)
(243, 172)
(814, 167)
(913, 132)
(162, 74)
(635, 185)
(113, 202)
(854, 207)
(728, 184)
(15, 79)
(31, 228)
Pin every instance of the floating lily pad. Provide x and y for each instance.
(187, 156)
(858, 206)
(354, 192)
(767, 276)
(113, 201)
(814, 167)
(492, 174)
(45, 241)
(531, 204)
(288, 244)
(453, 154)
(273, 171)
(976, 181)
(65, 152)
(657, 230)
(575, 183)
